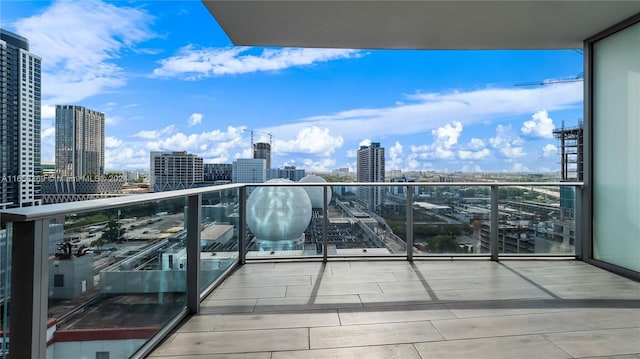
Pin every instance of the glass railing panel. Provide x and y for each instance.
(5, 287)
(537, 220)
(367, 221)
(282, 221)
(116, 277)
(220, 230)
(449, 220)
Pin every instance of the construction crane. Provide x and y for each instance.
(252, 131)
(578, 78)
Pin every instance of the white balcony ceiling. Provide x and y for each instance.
(418, 24)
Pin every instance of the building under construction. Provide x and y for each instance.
(571, 155)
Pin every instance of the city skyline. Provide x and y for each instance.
(165, 87)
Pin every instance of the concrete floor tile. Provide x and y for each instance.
(394, 314)
(248, 292)
(236, 342)
(308, 303)
(408, 298)
(422, 286)
(401, 351)
(302, 319)
(333, 289)
(266, 281)
(599, 342)
(521, 347)
(490, 308)
(530, 292)
(264, 355)
(354, 278)
(200, 323)
(542, 323)
(372, 334)
(211, 306)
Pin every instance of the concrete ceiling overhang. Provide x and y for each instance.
(418, 24)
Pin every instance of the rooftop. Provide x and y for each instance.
(425, 309)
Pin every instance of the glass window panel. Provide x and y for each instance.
(616, 149)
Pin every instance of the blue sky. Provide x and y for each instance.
(168, 78)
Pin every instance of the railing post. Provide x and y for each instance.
(494, 224)
(579, 245)
(29, 289)
(409, 239)
(242, 221)
(194, 204)
(325, 221)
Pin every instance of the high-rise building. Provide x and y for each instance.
(288, 172)
(371, 169)
(249, 170)
(263, 150)
(79, 142)
(174, 170)
(19, 122)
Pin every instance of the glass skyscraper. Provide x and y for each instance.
(371, 169)
(19, 122)
(79, 141)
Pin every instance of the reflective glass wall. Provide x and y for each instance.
(616, 148)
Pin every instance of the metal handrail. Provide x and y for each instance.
(52, 210)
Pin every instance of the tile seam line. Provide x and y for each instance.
(544, 333)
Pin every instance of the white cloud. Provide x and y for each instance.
(126, 157)
(504, 136)
(155, 134)
(112, 142)
(312, 140)
(512, 152)
(111, 120)
(507, 142)
(78, 63)
(447, 136)
(318, 165)
(194, 63)
(217, 144)
(476, 144)
(394, 158)
(471, 155)
(365, 142)
(471, 168)
(427, 112)
(519, 167)
(47, 112)
(442, 154)
(540, 125)
(47, 132)
(48, 141)
(195, 119)
(549, 151)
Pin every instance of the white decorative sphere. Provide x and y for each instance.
(315, 193)
(278, 213)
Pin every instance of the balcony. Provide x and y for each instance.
(434, 269)
(424, 309)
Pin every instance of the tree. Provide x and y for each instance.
(443, 244)
(98, 243)
(112, 233)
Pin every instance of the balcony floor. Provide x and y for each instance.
(429, 309)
